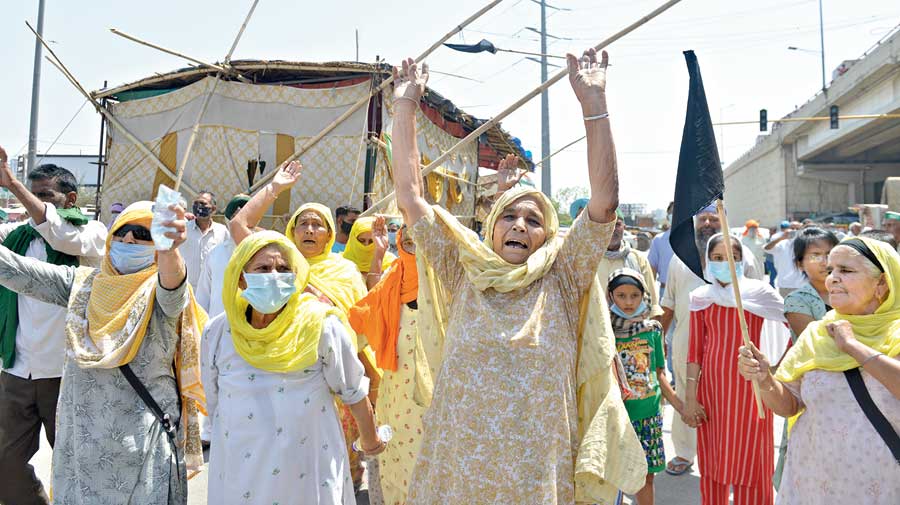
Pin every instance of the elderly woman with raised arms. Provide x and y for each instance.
(525, 406)
(842, 378)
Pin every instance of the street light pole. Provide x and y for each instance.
(822, 45)
(546, 186)
(35, 91)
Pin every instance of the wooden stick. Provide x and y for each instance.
(240, 33)
(813, 118)
(365, 100)
(190, 144)
(102, 110)
(227, 69)
(531, 94)
(377, 141)
(745, 331)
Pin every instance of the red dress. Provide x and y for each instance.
(734, 446)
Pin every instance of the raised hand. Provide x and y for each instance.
(508, 173)
(380, 235)
(6, 175)
(753, 364)
(409, 82)
(286, 176)
(588, 79)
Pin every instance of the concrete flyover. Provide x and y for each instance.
(806, 169)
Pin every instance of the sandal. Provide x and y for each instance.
(678, 466)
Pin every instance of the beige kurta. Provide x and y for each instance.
(503, 426)
(397, 408)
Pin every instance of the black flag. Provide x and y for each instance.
(699, 180)
(484, 45)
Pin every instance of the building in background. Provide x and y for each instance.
(805, 168)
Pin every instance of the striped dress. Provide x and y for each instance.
(734, 446)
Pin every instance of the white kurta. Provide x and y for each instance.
(276, 437)
(209, 287)
(198, 245)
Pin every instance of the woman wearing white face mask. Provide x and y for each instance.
(734, 446)
(132, 326)
(272, 364)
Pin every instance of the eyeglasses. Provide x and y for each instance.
(816, 257)
(137, 231)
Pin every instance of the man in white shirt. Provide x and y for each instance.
(32, 333)
(676, 310)
(202, 235)
(209, 286)
(781, 247)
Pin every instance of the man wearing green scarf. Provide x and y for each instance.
(32, 333)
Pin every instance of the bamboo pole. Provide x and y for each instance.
(113, 121)
(813, 118)
(745, 331)
(365, 100)
(240, 33)
(103, 110)
(194, 131)
(377, 141)
(531, 94)
(227, 69)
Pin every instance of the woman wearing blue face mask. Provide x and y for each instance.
(272, 365)
(132, 326)
(734, 446)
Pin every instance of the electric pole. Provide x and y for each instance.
(35, 91)
(546, 186)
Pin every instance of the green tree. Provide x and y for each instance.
(563, 198)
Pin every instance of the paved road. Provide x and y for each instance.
(681, 490)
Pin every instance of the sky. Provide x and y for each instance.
(741, 47)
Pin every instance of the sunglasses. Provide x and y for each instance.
(137, 231)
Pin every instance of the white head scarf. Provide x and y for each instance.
(758, 297)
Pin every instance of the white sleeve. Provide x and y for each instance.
(209, 371)
(7, 228)
(203, 290)
(343, 371)
(87, 241)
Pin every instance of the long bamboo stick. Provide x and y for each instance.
(240, 33)
(194, 131)
(113, 121)
(226, 69)
(745, 331)
(365, 100)
(813, 118)
(531, 94)
(102, 110)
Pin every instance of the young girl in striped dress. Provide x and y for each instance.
(734, 445)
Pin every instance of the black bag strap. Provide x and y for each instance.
(879, 422)
(148, 400)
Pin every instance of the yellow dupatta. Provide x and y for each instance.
(361, 255)
(336, 277)
(108, 318)
(610, 456)
(816, 350)
(290, 342)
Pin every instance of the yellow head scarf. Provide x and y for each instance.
(290, 342)
(116, 311)
(610, 456)
(361, 255)
(336, 277)
(816, 350)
